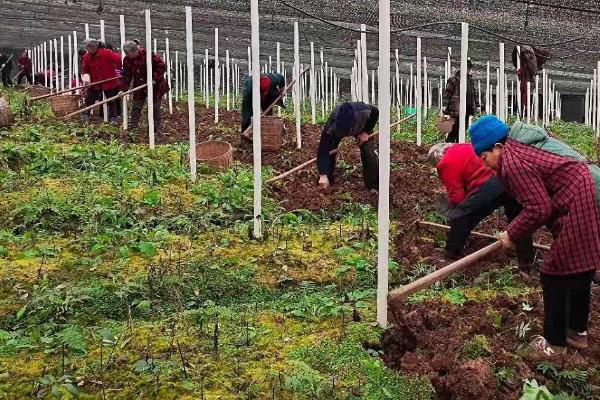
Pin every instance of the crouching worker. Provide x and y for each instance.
(349, 120)
(474, 192)
(558, 192)
(134, 75)
(271, 86)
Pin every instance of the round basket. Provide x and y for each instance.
(6, 116)
(216, 154)
(271, 133)
(444, 125)
(37, 90)
(64, 104)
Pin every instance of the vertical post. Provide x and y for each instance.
(87, 31)
(464, 52)
(326, 86)
(479, 91)
(155, 46)
(45, 63)
(383, 210)
(70, 54)
(256, 111)
(103, 40)
(297, 84)
(586, 114)
(488, 95)
(426, 91)
(528, 102)
(536, 109)
(125, 101)
(598, 97)
(189, 40)
(51, 63)
(544, 98)
(56, 66)
(398, 98)
(34, 60)
(502, 115)
(365, 72)
(519, 100)
(217, 75)
(278, 62)
(313, 101)
(419, 94)
(177, 78)
(150, 88)
(359, 70)
(227, 79)
(168, 61)
(206, 79)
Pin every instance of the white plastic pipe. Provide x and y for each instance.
(502, 84)
(206, 79)
(313, 100)
(189, 41)
(464, 52)
(103, 40)
(365, 72)
(426, 87)
(217, 75)
(419, 92)
(528, 102)
(383, 209)
(488, 94)
(87, 31)
(598, 97)
(45, 51)
(536, 109)
(150, 88)
(177, 79)
(256, 112)
(227, 79)
(56, 66)
(125, 101)
(168, 61)
(297, 85)
(70, 54)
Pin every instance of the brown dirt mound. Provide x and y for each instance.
(429, 339)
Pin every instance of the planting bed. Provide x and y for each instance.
(120, 278)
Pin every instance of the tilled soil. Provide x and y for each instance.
(429, 339)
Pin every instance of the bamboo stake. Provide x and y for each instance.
(332, 152)
(398, 295)
(101, 103)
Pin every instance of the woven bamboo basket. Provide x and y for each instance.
(271, 133)
(444, 125)
(6, 117)
(216, 154)
(37, 90)
(64, 104)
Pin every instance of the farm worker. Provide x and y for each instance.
(134, 74)
(451, 105)
(474, 192)
(532, 60)
(558, 192)
(100, 64)
(536, 136)
(6, 65)
(25, 68)
(271, 86)
(353, 119)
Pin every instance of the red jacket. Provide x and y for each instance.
(100, 66)
(25, 64)
(559, 192)
(134, 74)
(462, 172)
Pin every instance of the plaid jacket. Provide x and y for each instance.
(134, 73)
(452, 94)
(559, 192)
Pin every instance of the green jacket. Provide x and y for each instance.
(536, 136)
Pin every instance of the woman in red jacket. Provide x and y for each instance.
(474, 192)
(25, 69)
(101, 64)
(558, 192)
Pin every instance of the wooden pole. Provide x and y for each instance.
(419, 94)
(383, 209)
(400, 294)
(256, 121)
(464, 53)
(189, 40)
(332, 152)
(101, 103)
(150, 90)
(297, 85)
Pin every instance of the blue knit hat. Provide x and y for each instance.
(486, 132)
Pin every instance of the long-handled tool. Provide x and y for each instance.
(398, 295)
(478, 234)
(246, 133)
(332, 152)
(7, 61)
(46, 96)
(100, 103)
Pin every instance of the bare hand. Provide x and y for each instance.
(323, 182)
(478, 110)
(362, 138)
(507, 243)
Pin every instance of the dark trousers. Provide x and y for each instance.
(453, 135)
(566, 305)
(326, 162)
(6, 77)
(93, 96)
(22, 75)
(475, 208)
(136, 113)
